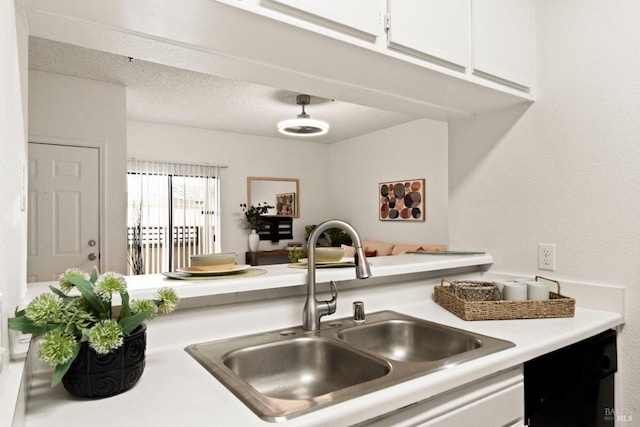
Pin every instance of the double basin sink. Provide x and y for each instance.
(284, 373)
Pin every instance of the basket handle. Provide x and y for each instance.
(442, 282)
(454, 288)
(550, 280)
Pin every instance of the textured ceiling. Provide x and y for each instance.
(158, 93)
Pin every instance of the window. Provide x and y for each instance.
(173, 212)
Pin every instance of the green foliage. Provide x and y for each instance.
(81, 310)
(308, 229)
(334, 236)
(338, 237)
(296, 254)
(62, 368)
(253, 215)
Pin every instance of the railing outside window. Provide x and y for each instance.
(186, 241)
(173, 214)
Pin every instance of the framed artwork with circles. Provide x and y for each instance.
(402, 200)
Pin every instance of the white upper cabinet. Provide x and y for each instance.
(483, 41)
(503, 40)
(363, 18)
(437, 30)
(331, 48)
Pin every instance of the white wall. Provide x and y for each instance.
(75, 111)
(567, 171)
(245, 156)
(336, 181)
(413, 150)
(13, 158)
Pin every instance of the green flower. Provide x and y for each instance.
(45, 308)
(167, 300)
(105, 336)
(57, 347)
(65, 284)
(110, 283)
(145, 305)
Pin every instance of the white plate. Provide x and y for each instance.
(342, 261)
(230, 270)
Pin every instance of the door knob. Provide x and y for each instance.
(92, 256)
(92, 242)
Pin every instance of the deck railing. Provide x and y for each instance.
(148, 247)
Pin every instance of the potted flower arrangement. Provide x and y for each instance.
(77, 325)
(253, 215)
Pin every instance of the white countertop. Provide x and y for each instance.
(176, 390)
(281, 275)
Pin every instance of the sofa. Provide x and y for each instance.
(373, 248)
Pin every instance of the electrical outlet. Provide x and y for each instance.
(547, 256)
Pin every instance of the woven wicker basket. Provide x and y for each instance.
(474, 290)
(556, 306)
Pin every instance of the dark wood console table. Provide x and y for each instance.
(278, 256)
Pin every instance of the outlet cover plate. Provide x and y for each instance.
(547, 256)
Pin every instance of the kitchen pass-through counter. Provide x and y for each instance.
(177, 390)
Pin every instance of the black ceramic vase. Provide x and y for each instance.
(101, 375)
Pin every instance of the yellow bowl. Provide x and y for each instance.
(213, 259)
(329, 254)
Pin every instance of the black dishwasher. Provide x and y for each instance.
(573, 386)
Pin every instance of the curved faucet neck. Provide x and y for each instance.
(314, 309)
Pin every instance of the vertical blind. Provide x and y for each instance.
(173, 212)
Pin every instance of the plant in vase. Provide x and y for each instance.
(79, 317)
(253, 215)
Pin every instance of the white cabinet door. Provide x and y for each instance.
(437, 29)
(360, 17)
(503, 34)
(495, 401)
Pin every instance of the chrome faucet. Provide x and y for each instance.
(314, 309)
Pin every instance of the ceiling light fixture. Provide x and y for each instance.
(303, 125)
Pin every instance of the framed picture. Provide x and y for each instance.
(286, 204)
(402, 200)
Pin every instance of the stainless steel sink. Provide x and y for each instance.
(303, 368)
(410, 340)
(285, 373)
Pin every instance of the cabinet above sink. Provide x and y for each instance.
(490, 39)
(281, 50)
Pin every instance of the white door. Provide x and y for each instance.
(64, 207)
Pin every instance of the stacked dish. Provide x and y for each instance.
(213, 264)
